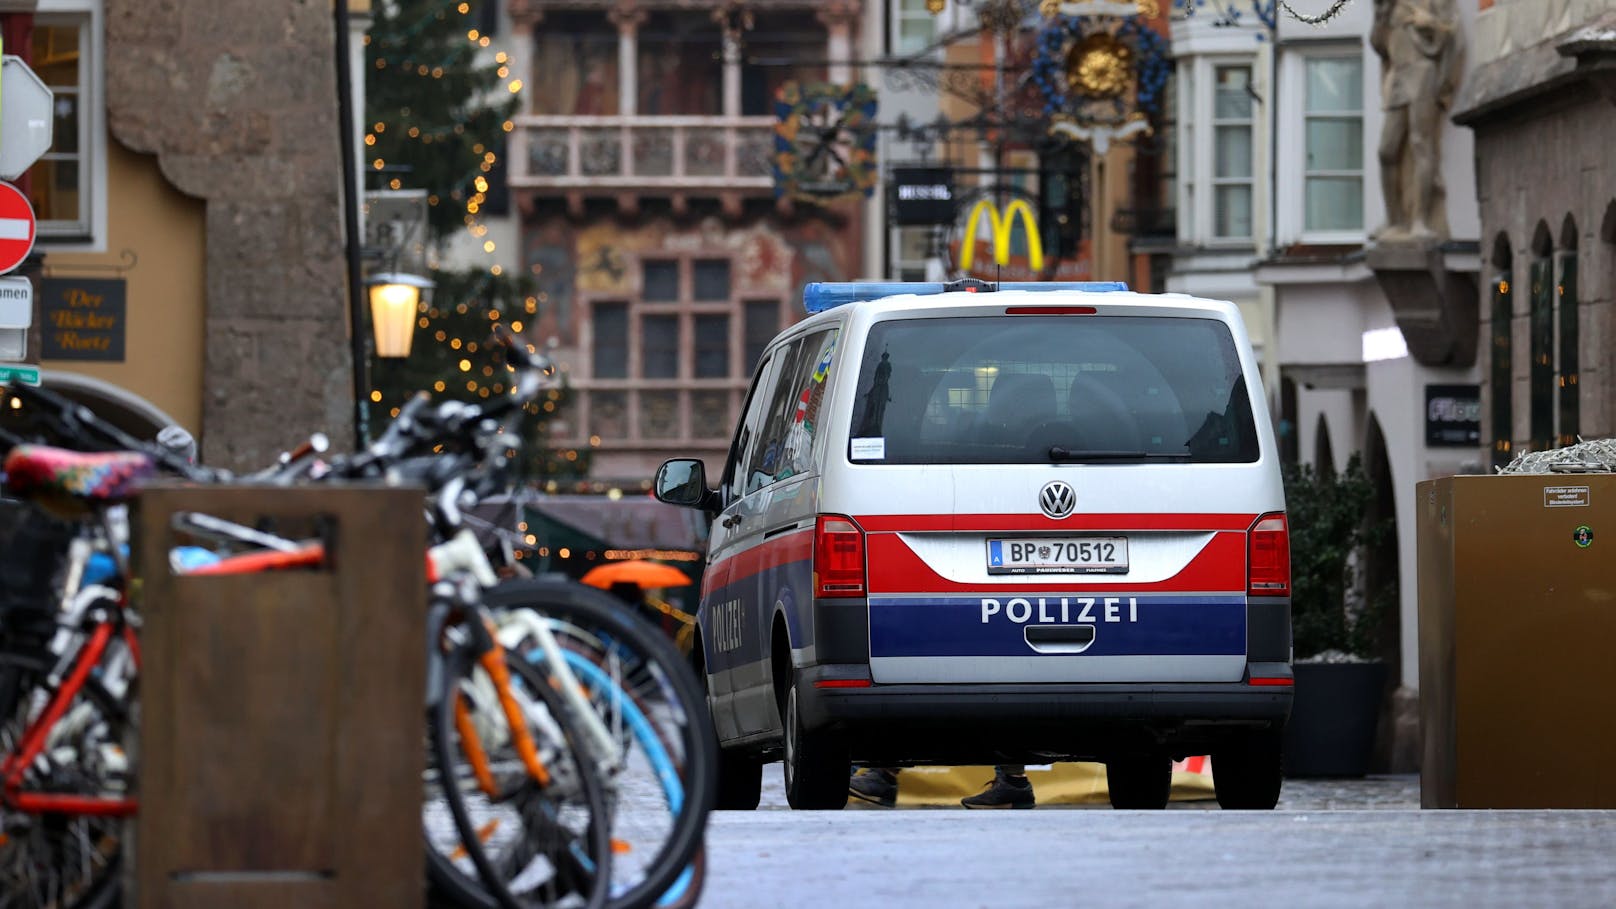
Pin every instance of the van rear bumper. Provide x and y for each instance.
(1008, 723)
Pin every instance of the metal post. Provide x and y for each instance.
(350, 226)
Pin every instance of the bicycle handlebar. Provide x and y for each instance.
(420, 428)
(78, 422)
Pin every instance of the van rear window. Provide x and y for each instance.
(1037, 390)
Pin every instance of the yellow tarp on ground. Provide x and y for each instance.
(1052, 784)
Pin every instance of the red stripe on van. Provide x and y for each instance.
(895, 568)
(986, 522)
(797, 546)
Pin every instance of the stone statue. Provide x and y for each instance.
(1421, 61)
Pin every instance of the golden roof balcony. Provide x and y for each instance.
(633, 157)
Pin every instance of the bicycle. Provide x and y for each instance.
(661, 853)
(675, 748)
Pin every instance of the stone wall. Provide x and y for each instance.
(1507, 26)
(238, 100)
(1537, 165)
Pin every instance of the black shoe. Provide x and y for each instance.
(874, 785)
(1003, 792)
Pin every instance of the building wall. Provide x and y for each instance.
(165, 289)
(1548, 161)
(238, 101)
(603, 259)
(1507, 26)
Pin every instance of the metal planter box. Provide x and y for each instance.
(1517, 611)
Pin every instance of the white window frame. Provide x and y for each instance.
(1188, 209)
(1250, 181)
(1197, 150)
(89, 234)
(897, 14)
(1292, 164)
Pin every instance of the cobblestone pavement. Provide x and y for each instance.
(1328, 858)
(1332, 843)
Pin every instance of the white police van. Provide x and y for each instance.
(974, 523)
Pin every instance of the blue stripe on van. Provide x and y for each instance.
(1165, 625)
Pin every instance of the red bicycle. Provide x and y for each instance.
(64, 776)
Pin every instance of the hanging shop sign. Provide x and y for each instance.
(923, 196)
(1100, 70)
(1453, 415)
(824, 141)
(83, 318)
(1000, 223)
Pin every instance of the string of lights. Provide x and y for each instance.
(471, 188)
(425, 21)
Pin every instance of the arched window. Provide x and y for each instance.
(1323, 452)
(1502, 373)
(1290, 442)
(1568, 424)
(1541, 339)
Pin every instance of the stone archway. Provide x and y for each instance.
(1323, 451)
(119, 406)
(1397, 742)
(123, 409)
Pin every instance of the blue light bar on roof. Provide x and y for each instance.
(822, 295)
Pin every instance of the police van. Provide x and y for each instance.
(970, 523)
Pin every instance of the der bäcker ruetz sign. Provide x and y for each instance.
(923, 195)
(83, 318)
(1453, 415)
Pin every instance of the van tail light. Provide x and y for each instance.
(1268, 557)
(838, 557)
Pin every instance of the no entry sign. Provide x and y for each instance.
(16, 227)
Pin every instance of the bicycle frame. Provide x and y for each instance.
(38, 735)
(460, 556)
(463, 554)
(68, 677)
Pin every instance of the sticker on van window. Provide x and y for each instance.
(869, 449)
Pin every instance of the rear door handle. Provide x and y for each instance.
(1059, 638)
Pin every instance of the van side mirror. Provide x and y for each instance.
(683, 481)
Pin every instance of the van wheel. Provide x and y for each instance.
(816, 763)
(1139, 782)
(740, 780)
(1247, 771)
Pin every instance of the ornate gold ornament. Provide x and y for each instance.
(1099, 66)
(1049, 9)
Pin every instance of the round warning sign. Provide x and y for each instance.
(16, 227)
(1584, 536)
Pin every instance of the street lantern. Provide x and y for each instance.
(394, 301)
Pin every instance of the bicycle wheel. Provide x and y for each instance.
(64, 860)
(647, 696)
(527, 844)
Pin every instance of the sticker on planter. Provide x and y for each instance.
(1565, 497)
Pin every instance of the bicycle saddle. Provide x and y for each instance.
(70, 482)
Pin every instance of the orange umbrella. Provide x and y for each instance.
(636, 571)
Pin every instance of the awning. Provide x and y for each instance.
(632, 527)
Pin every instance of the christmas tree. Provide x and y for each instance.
(437, 109)
(452, 357)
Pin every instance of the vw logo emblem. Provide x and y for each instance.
(1057, 499)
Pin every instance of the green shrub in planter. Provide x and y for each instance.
(1334, 624)
(1330, 615)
